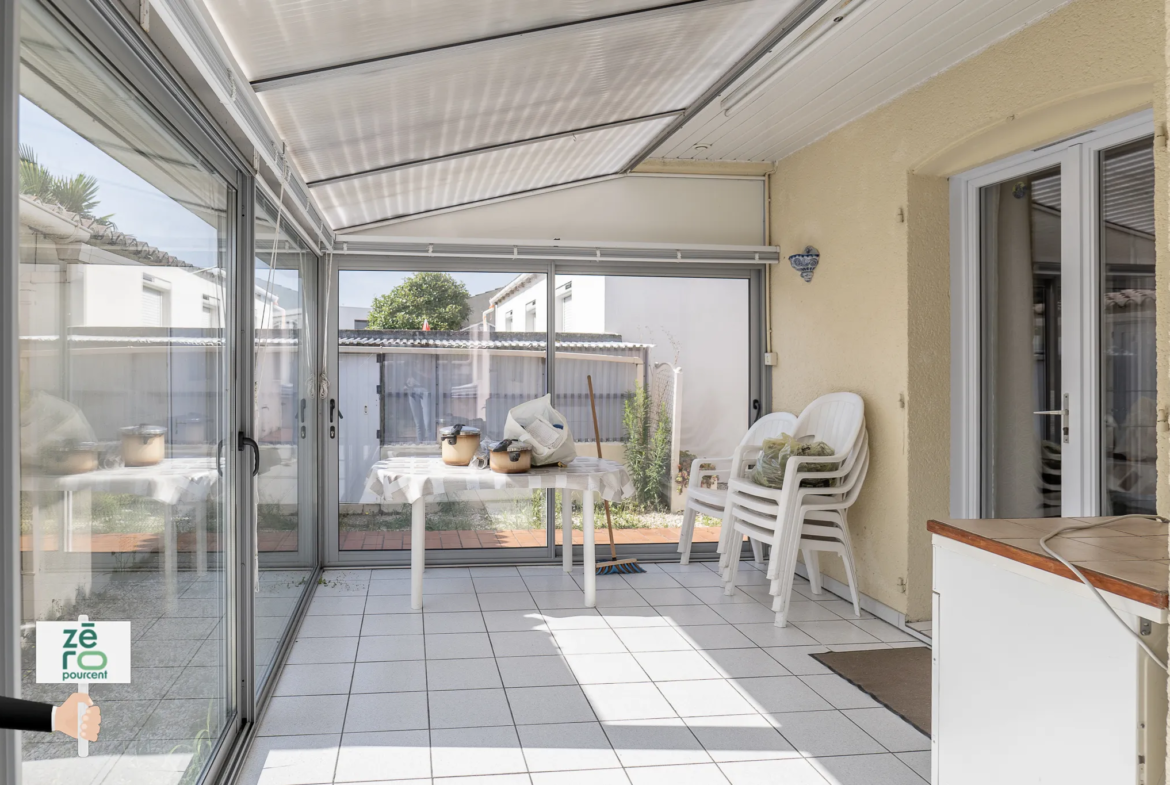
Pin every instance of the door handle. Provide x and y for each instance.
(247, 441)
(1064, 418)
(219, 457)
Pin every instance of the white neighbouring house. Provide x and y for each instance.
(699, 325)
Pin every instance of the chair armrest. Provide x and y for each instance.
(721, 466)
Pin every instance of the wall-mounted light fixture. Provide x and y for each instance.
(805, 262)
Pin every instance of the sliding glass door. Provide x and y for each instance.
(126, 264)
(418, 346)
(1056, 300)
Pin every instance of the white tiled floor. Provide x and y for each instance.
(504, 678)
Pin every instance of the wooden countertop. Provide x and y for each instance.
(1128, 557)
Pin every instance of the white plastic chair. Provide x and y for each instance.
(774, 515)
(819, 524)
(711, 501)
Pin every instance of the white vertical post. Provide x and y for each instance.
(418, 549)
(590, 552)
(567, 528)
(83, 688)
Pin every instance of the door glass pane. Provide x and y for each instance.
(284, 426)
(1020, 253)
(124, 312)
(1128, 330)
(670, 368)
(419, 351)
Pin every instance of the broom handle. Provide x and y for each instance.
(597, 437)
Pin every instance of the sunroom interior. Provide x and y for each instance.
(272, 257)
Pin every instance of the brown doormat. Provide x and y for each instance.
(899, 679)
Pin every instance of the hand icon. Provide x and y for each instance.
(66, 718)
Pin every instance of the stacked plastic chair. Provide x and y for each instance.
(711, 500)
(799, 517)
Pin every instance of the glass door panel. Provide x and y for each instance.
(418, 351)
(670, 365)
(1128, 330)
(284, 424)
(125, 316)
(1023, 399)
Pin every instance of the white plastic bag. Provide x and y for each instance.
(539, 425)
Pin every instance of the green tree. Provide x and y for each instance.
(436, 298)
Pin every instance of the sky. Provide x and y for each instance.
(138, 207)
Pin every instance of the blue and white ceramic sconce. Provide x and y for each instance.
(804, 263)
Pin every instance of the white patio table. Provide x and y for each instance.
(414, 480)
(174, 481)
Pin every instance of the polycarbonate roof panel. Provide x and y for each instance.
(474, 178)
(451, 100)
(274, 37)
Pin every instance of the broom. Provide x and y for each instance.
(615, 565)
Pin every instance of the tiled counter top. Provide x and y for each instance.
(1127, 557)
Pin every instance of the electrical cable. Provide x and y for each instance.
(1096, 593)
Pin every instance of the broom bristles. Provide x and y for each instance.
(623, 566)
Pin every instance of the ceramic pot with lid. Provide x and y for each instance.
(143, 445)
(509, 456)
(71, 457)
(459, 443)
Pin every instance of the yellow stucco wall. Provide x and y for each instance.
(873, 198)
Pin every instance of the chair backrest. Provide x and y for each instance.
(835, 419)
(769, 427)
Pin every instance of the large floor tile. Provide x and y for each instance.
(469, 709)
(890, 730)
(919, 761)
(499, 583)
(514, 620)
(740, 737)
(447, 585)
(884, 632)
(557, 619)
(589, 777)
(316, 679)
(705, 698)
(304, 715)
(792, 771)
(451, 603)
(694, 774)
(743, 663)
(780, 694)
(290, 760)
(840, 693)
(330, 627)
(387, 648)
(546, 671)
(643, 616)
(548, 705)
(575, 746)
(691, 615)
(307, 651)
(797, 660)
(840, 631)
(770, 635)
(661, 742)
(458, 646)
(715, 636)
(476, 674)
(476, 751)
(670, 596)
(614, 702)
(386, 711)
(522, 644)
(465, 621)
(507, 601)
(606, 668)
(817, 733)
(392, 624)
(590, 641)
(366, 757)
(676, 666)
(337, 606)
(867, 770)
(393, 676)
(746, 613)
(640, 639)
(568, 598)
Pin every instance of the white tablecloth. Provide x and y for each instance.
(175, 480)
(406, 480)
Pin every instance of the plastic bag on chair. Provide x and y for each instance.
(773, 460)
(539, 425)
